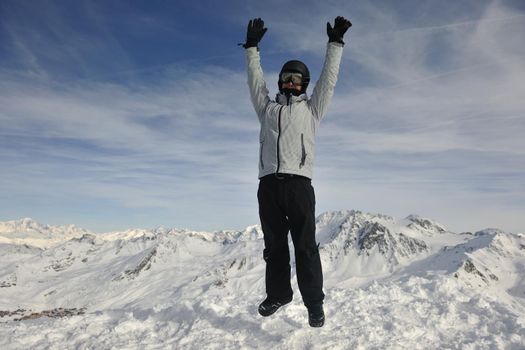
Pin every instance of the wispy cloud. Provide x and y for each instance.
(427, 117)
(424, 116)
(166, 146)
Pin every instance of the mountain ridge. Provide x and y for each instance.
(172, 284)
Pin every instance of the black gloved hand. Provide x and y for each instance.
(254, 33)
(336, 33)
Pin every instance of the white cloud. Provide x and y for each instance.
(438, 125)
(172, 146)
(424, 119)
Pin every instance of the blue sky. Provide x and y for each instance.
(120, 114)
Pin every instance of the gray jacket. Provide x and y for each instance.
(288, 126)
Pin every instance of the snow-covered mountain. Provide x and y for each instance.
(370, 244)
(389, 283)
(30, 232)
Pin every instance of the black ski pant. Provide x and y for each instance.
(288, 204)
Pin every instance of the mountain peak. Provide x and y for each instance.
(32, 232)
(424, 225)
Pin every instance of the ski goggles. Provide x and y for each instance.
(295, 78)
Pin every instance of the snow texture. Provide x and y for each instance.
(388, 284)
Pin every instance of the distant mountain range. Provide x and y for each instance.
(175, 277)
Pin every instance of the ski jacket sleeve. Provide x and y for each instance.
(256, 83)
(324, 88)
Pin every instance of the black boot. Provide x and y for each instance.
(269, 306)
(316, 316)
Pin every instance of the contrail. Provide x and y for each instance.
(451, 25)
(460, 24)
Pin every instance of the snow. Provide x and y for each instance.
(28, 231)
(389, 283)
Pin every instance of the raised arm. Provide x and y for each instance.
(256, 83)
(324, 88)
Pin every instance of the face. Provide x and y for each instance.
(291, 80)
(290, 85)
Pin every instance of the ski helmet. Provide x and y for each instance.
(297, 67)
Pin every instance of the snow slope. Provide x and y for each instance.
(390, 284)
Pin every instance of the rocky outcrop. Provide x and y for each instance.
(392, 246)
(354, 232)
(143, 265)
(424, 225)
(30, 315)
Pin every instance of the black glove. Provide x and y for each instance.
(254, 33)
(336, 33)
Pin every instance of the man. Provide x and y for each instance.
(286, 196)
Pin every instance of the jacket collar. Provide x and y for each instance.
(283, 100)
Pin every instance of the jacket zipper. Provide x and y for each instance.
(303, 150)
(278, 138)
(261, 154)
